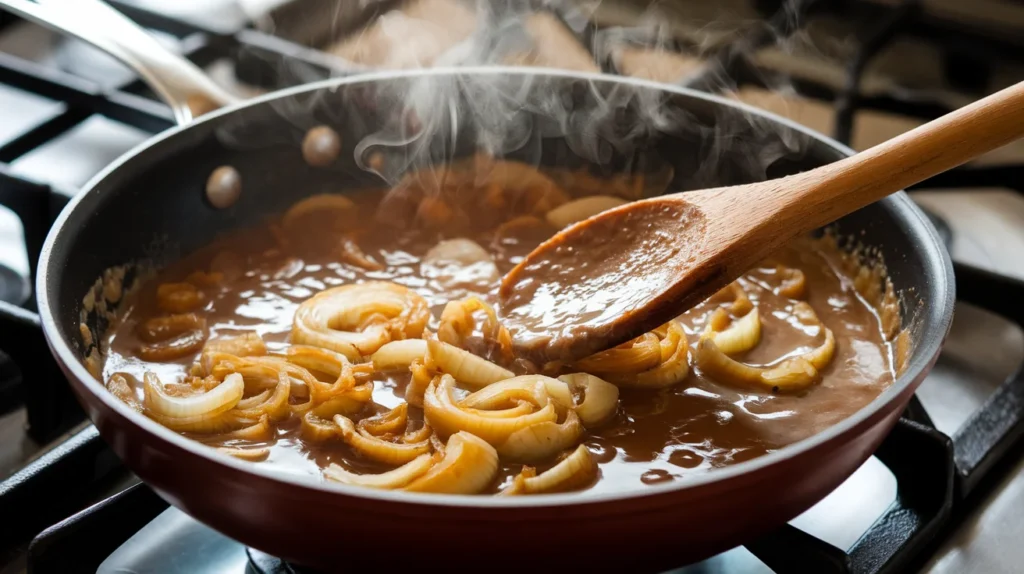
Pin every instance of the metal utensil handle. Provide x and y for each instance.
(178, 82)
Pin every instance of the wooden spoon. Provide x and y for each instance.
(612, 277)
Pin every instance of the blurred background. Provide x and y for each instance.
(860, 71)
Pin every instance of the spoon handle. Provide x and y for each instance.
(818, 197)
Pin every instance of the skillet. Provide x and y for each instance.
(150, 207)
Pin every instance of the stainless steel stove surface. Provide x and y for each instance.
(922, 503)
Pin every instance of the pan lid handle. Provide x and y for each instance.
(179, 83)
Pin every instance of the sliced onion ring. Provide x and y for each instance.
(542, 440)
(220, 399)
(446, 418)
(467, 368)
(576, 470)
(392, 479)
(600, 398)
(249, 454)
(468, 466)
(734, 336)
(508, 393)
(358, 319)
(399, 354)
(580, 209)
(378, 449)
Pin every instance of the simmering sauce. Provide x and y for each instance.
(701, 393)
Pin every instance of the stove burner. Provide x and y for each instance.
(14, 288)
(934, 474)
(10, 384)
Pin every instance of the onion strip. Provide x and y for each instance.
(467, 368)
(468, 466)
(576, 470)
(446, 418)
(220, 399)
(378, 449)
(358, 319)
(390, 480)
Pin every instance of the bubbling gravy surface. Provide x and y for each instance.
(278, 345)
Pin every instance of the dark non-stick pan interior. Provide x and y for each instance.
(151, 207)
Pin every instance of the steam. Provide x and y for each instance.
(413, 124)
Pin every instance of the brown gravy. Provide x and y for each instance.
(656, 435)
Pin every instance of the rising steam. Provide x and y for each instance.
(411, 124)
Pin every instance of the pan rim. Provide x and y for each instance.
(938, 312)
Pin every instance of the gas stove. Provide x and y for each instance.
(938, 496)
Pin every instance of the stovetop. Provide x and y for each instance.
(941, 493)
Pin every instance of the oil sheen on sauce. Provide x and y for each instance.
(656, 436)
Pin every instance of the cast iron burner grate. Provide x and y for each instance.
(14, 287)
(938, 477)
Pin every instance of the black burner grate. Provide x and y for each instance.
(936, 475)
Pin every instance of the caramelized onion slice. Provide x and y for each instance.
(275, 404)
(174, 348)
(542, 441)
(358, 319)
(421, 378)
(392, 479)
(205, 424)
(459, 263)
(467, 368)
(119, 386)
(559, 392)
(419, 435)
(220, 399)
(634, 356)
(399, 354)
(336, 206)
(733, 337)
(261, 431)
(163, 328)
(576, 470)
(316, 429)
(674, 366)
(347, 403)
(179, 297)
(248, 345)
(508, 393)
(581, 209)
(735, 297)
(391, 422)
(521, 408)
(791, 375)
(600, 398)
(326, 361)
(793, 284)
(376, 448)
(468, 466)
(350, 252)
(458, 323)
(249, 454)
(447, 418)
(820, 357)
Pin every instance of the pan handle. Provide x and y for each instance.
(178, 82)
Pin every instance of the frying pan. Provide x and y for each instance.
(150, 207)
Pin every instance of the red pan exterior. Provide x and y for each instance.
(328, 530)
